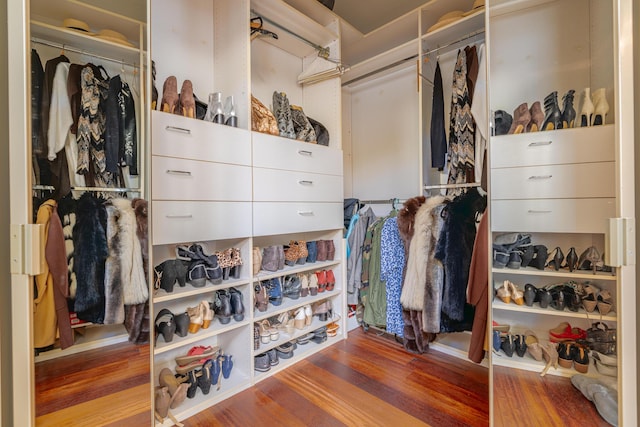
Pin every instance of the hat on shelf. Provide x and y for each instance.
(478, 5)
(114, 36)
(78, 25)
(446, 19)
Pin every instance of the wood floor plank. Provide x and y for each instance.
(109, 409)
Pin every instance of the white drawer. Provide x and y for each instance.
(577, 145)
(582, 180)
(180, 179)
(178, 136)
(281, 153)
(552, 215)
(176, 222)
(283, 218)
(272, 185)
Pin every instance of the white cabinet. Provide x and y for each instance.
(562, 186)
(233, 188)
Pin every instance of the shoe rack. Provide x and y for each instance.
(559, 185)
(231, 187)
(50, 39)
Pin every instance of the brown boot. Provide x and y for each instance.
(187, 102)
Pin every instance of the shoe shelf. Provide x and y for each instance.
(301, 352)
(160, 295)
(581, 313)
(298, 268)
(528, 363)
(216, 328)
(285, 337)
(237, 381)
(291, 304)
(577, 275)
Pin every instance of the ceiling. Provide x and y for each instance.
(367, 15)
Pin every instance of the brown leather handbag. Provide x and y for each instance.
(262, 119)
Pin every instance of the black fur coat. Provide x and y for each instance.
(90, 252)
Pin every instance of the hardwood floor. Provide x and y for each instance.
(366, 380)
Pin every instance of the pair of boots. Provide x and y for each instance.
(182, 103)
(556, 119)
(227, 303)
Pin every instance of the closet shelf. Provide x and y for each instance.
(300, 353)
(87, 44)
(296, 23)
(291, 304)
(578, 275)
(502, 7)
(529, 364)
(473, 23)
(237, 381)
(216, 328)
(161, 295)
(285, 337)
(309, 267)
(581, 313)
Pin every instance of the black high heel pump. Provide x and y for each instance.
(568, 112)
(571, 260)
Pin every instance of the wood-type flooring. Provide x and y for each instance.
(367, 380)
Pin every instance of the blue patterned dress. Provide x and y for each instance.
(391, 265)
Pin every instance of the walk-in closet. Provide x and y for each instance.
(298, 212)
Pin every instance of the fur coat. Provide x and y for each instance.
(421, 271)
(455, 248)
(90, 249)
(67, 212)
(128, 253)
(414, 339)
(137, 316)
(113, 278)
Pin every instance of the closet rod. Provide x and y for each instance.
(107, 189)
(461, 39)
(443, 186)
(80, 51)
(322, 51)
(381, 69)
(379, 202)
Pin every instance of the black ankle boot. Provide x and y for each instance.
(568, 112)
(222, 306)
(539, 257)
(552, 114)
(237, 307)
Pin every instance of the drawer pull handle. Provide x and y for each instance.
(175, 172)
(541, 177)
(540, 143)
(305, 182)
(177, 129)
(532, 211)
(180, 216)
(305, 213)
(305, 153)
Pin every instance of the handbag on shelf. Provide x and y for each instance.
(262, 119)
(601, 338)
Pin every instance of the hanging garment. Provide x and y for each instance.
(50, 70)
(67, 212)
(471, 54)
(91, 126)
(90, 243)
(37, 83)
(134, 284)
(354, 261)
(120, 131)
(454, 249)
(477, 290)
(480, 115)
(414, 339)
(437, 131)
(421, 250)
(375, 303)
(113, 277)
(50, 305)
(391, 266)
(461, 128)
(137, 316)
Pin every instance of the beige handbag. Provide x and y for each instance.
(262, 119)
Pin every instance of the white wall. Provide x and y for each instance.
(382, 158)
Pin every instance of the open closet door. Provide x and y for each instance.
(20, 220)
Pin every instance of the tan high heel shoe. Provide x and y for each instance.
(170, 98)
(550, 355)
(537, 117)
(601, 107)
(516, 294)
(504, 292)
(521, 119)
(187, 101)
